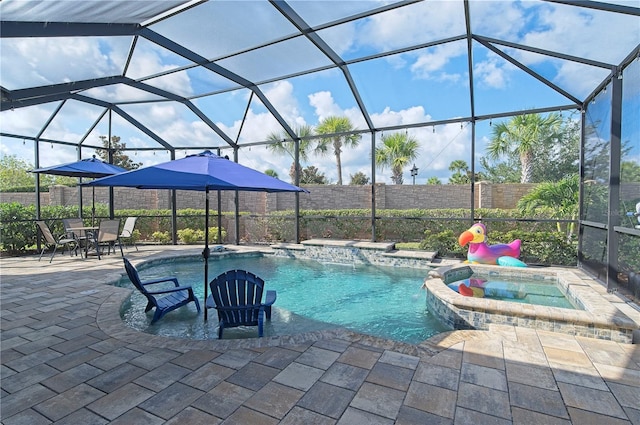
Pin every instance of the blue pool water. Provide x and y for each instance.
(386, 302)
(516, 290)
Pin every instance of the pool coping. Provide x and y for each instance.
(356, 252)
(605, 315)
(109, 319)
(111, 323)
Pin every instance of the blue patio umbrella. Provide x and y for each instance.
(202, 172)
(89, 167)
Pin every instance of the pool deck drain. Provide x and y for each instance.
(66, 360)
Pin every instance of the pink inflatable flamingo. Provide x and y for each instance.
(481, 253)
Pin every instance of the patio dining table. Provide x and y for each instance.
(92, 230)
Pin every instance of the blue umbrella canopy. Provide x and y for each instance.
(202, 172)
(89, 167)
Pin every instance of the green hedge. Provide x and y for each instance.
(538, 247)
(395, 225)
(435, 230)
(18, 232)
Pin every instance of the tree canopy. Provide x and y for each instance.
(281, 146)
(359, 179)
(119, 157)
(311, 175)
(554, 152)
(15, 175)
(524, 136)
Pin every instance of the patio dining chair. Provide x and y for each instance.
(108, 234)
(79, 235)
(127, 230)
(50, 240)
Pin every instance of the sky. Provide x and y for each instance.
(415, 86)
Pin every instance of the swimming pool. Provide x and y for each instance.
(386, 302)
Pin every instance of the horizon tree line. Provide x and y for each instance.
(530, 148)
(526, 148)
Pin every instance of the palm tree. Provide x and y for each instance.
(281, 146)
(460, 170)
(560, 197)
(396, 151)
(522, 135)
(337, 127)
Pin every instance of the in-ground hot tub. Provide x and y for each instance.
(599, 314)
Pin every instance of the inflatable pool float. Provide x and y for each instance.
(482, 253)
(471, 287)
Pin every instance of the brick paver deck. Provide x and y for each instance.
(67, 358)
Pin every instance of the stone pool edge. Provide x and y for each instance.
(110, 321)
(356, 252)
(605, 316)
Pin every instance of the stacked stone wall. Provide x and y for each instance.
(328, 197)
(24, 198)
(320, 197)
(506, 196)
(427, 197)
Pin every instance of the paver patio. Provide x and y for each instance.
(67, 358)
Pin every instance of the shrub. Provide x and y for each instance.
(135, 236)
(162, 237)
(16, 230)
(549, 248)
(191, 236)
(213, 235)
(445, 243)
(434, 230)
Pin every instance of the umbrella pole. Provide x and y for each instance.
(93, 205)
(205, 252)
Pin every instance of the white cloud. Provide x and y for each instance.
(46, 61)
(589, 78)
(25, 120)
(498, 19)
(601, 36)
(436, 59)
(491, 74)
(324, 105)
(342, 39)
(570, 30)
(389, 118)
(257, 126)
(281, 96)
(417, 23)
